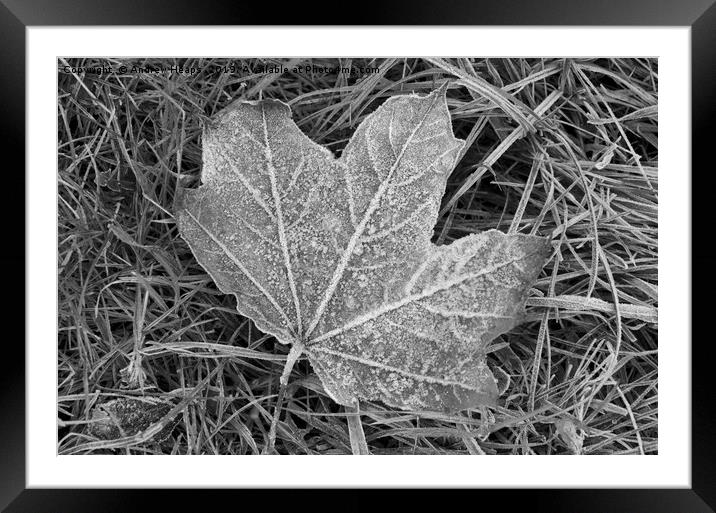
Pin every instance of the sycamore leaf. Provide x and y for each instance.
(334, 255)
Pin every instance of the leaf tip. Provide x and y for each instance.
(239, 106)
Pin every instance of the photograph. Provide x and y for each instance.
(357, 255)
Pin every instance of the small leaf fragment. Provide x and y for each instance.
(124, 416)
(570, 436)
(334, 255)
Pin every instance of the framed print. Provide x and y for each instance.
(441, 255)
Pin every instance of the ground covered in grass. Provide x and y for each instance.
(564, 148)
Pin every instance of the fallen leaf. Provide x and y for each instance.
(122, 417)
(334, 255)
(567, 432)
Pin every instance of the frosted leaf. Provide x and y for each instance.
(126, 416)
(335, 254)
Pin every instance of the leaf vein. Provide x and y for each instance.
(398, 370)
(378, 312)
(372, 207)
(242, 268)
(280, 224)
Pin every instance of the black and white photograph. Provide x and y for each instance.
(384, 256)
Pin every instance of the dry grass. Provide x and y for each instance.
(565, 148)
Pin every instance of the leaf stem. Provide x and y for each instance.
(293, 355)
(355, 429)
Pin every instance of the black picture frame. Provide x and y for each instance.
(16, 16)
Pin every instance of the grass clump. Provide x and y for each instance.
(565, 148)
